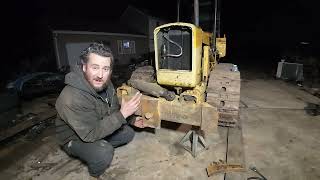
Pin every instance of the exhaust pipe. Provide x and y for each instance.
(196, 12)
(178, 10)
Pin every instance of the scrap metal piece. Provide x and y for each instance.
(222, 167)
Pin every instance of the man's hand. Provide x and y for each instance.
(139, 122)
(130, 107)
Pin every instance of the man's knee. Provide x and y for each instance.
(121, 137)
(101, 158)
(129, 133)
(103, 152)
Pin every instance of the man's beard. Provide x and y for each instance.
(97, 89)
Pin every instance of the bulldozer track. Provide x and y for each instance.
(223, 92)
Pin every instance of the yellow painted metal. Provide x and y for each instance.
(181, 78)
(197, 112)
(178, 78)
(202, 62)
(221, 44)
(206, 38)
(198, 92)
(206, 63)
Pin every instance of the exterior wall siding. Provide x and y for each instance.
(70, 45)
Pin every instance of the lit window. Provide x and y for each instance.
(126, 47)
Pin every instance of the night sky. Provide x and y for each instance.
(255, 29)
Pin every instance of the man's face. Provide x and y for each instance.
(97, 71)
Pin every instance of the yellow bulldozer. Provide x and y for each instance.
(187, 84)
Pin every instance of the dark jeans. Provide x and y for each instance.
(98, 155)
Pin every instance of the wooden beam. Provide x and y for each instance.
(235, 151)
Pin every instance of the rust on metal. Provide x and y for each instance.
(153, 110)
(221, 167)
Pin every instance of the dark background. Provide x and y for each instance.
(258, 32)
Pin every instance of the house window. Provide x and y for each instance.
(126, 47)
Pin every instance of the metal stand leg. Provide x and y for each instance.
(194, 138)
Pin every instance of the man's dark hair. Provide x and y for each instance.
(96, 48)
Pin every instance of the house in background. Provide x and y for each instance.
(141, 22)
(130, 39)
(125, 47)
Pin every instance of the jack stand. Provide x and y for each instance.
(194, 138)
